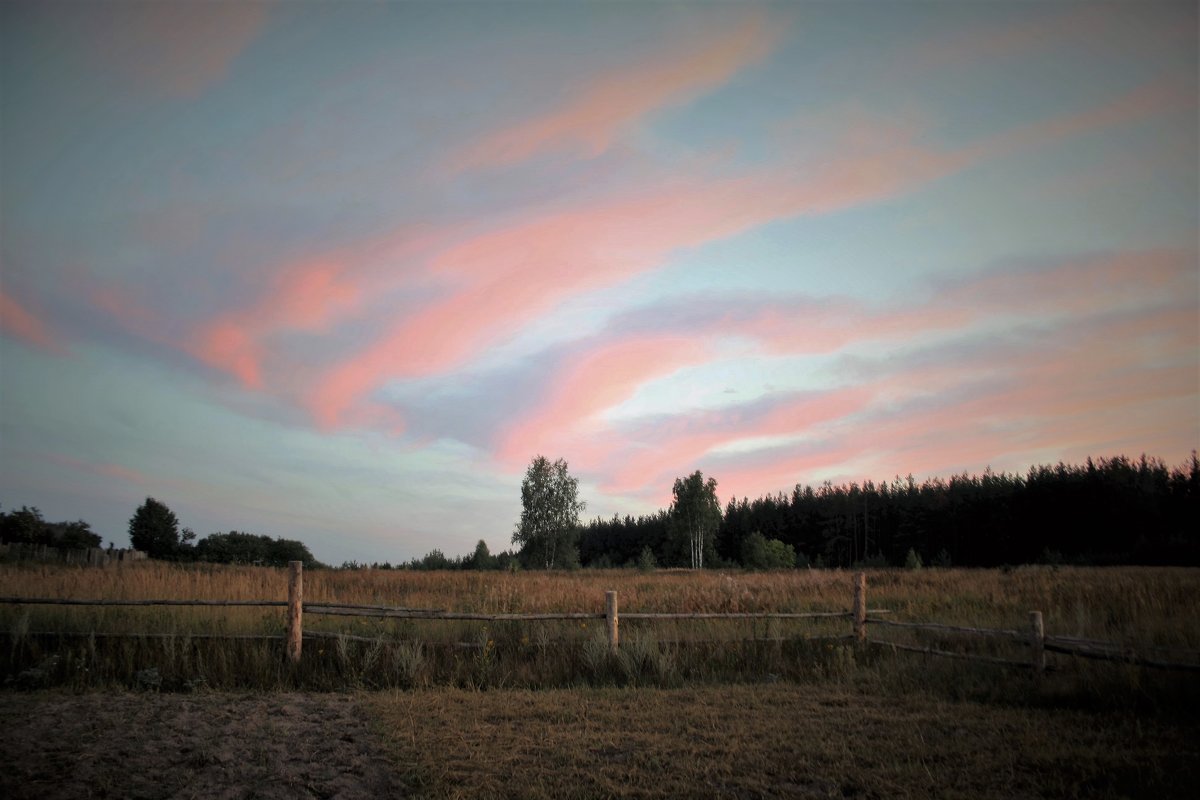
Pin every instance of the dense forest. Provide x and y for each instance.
(1110, 511)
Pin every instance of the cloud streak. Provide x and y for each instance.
(175, 49)
(602, 108)
(1099, 316)
(22, 324)
(500, 279)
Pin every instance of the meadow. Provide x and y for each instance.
(1149, 609)
(770, 708)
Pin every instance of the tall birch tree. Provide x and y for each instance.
(550, 509)
(695, 516)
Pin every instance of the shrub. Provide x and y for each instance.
(759, 552)
(646, 561)
(912, 560)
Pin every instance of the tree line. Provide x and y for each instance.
(26, 526)
(154, 529)
(1106, 511)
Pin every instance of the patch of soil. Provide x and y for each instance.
(211, 745)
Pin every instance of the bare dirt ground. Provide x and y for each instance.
(211, 745)
(777, 740)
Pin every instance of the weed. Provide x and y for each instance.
(409, 660)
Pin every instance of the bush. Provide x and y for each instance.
(912, 560)
(759, 552)
(646, 561)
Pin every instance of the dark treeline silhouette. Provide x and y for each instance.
(1110, 511)
(620, 541)
(26, 526)
(154, 530)
(480, 559)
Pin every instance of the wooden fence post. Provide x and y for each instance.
(295, 612)
(610, 611)
(860, 608)
(1037, 642)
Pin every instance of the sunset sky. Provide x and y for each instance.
(337, 271)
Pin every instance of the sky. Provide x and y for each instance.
(337, 272)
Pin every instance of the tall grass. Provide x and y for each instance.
(1143, 607)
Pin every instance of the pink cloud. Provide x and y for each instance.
(1148, 100)
(229, 345)
(639, 465)
(602, 108)
(631, 459)
(19, 323)
(103, 469)
(1129, 379)
(839, 323)
(500, 279)
(1099, 365)
(601, 379)
(1083, 285)
(493, 282)
(304, 296)
(173, 49)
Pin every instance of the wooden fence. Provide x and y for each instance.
(79, 556)
(1033, 637)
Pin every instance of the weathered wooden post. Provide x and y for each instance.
(1037, 642)
(295, 612)
(610, 612)
(860, 608)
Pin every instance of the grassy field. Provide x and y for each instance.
(1145, 608)
(1100, 602)
(544, 710)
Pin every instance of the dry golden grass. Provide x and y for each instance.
(779, 740)
(1142, 607)
(1139, 604)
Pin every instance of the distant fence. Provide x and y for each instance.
(81, 556)
(1033, 637)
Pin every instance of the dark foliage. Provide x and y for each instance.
(435, 559)
(248, 548)
(1110, 511)
(26, 525)
(621, 541)
(154, 529)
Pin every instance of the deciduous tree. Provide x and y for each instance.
(154, 529)
(550, 509)
(695, 516)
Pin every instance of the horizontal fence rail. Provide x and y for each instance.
(743, 615)
(56, 601)
(1122, 656)
(931, 651)
(939, 628)
(450, 615)
(1076, 641)
(1034, 637)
